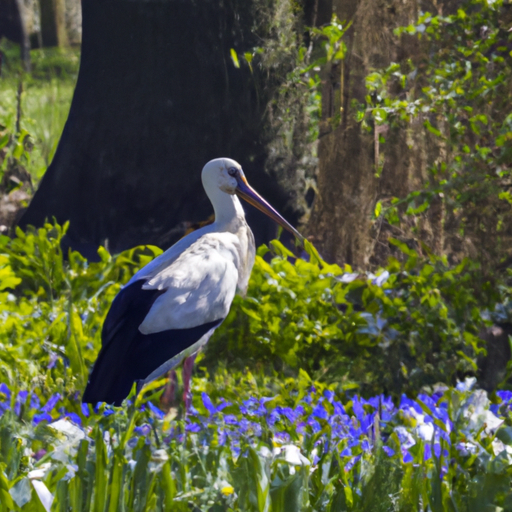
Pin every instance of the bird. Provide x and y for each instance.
(170, 308)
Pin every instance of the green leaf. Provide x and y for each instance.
(4, 140)
(431, 128)
(378, 209)
(234, 58)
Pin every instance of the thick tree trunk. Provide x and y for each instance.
(157, 97)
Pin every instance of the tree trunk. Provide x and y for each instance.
(157, 97)
(14, 27)
(355, 170)
(53, 22)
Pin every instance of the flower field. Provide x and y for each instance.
(306, 449)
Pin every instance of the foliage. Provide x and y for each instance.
(260, 440)
(459, 90)
(414, 324)
(38, 102)
(52, 310)
(302, 449)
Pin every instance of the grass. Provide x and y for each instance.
(46, 95)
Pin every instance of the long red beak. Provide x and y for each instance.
(246, 192)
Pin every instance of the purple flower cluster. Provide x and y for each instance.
(318, 423)
(353, 428)
(33, 409)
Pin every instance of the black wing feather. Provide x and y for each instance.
(127, 355)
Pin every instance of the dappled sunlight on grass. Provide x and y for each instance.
(46, 96)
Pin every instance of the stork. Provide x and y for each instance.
(170, 308)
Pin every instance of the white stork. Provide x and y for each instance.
(170, 308)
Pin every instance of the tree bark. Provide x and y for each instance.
(53, 22)
(157, 97)
(13, 26)
(355, 170)
(348, 155)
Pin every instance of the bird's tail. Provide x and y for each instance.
(107, 381)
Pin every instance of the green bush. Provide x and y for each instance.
(53, 308)
(413, 325)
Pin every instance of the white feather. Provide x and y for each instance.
(201, 284)
(167, 257)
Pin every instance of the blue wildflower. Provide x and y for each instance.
(299, 410)
(230, 419)
(5, 391)
(388, 451)
(374, 402)
(320, 412)
(244, 425)
(273, 417)
(235, 449)
(256, 428)
(288, 413)
(407, 457)
(353, 442)
(52, 402)
(156, 411)
(208, 404)
(38, 418)
(495, 408)
(35, 403)
(74, 418)
(143, 430)
(307, 399)
(192, 427)
(20, 400)
(329, 395)
(357, 408)
(315, 426)
(339, 409)
(351, 463)
(505, 396)
(52, 361)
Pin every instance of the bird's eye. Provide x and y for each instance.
(233, 171)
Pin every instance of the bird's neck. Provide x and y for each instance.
(228, 210)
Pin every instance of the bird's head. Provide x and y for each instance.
(222, 173)
(227, 175)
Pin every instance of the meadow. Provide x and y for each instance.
(326, 388)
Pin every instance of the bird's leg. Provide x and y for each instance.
(188, 366)
(168, 398)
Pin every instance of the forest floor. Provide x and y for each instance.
(33, 110)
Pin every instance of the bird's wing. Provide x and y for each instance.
(170, 255)
(197, 288)
(153, 323)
